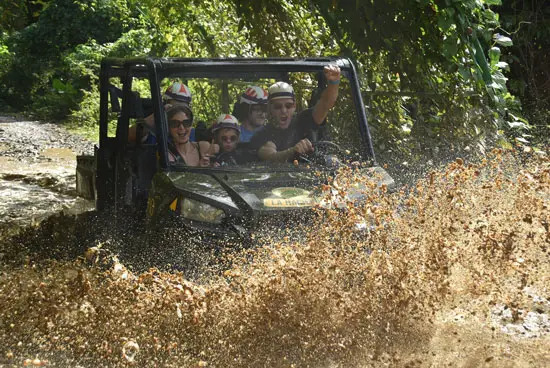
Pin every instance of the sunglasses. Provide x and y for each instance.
(231, 138)
(176, 123)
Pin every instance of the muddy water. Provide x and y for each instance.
(37, 171)
(455, 273)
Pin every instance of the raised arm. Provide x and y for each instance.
(329, 95)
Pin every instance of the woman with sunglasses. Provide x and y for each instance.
(177, 94)
(180, 148)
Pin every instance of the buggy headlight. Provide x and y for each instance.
(198, 211)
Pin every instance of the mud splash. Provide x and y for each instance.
(442, 276)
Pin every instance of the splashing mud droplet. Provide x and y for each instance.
(130, 349)
(457, 263)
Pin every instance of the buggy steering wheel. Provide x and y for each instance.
(322, 150)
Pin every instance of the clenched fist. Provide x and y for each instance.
(332, 72)
(303, 147)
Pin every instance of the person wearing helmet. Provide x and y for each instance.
(176, 94)
(180, 148)
(286, 135)
(179, 94)
(251, 110)
(226, 134)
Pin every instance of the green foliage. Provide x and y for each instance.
(17, 14)
(528, 60)
(282, 28)
(136, 42)
(443, 54)
(5, 63)
(56, 102)
(5, 54)
(218, 28)
(434, 71)
(83, 66)
(427, 64)
(194, 28)
(247, 28)
(38, 52)
(85, 118)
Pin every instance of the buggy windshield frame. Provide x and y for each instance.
(155, 70)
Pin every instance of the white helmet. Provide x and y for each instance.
(179, 92)
(254, 95)
(280, 90)
(226, 121)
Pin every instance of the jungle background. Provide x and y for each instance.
(439, 77)
(455, 273)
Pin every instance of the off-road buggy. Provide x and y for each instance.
(135, 180)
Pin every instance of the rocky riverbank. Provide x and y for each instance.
(37, 171)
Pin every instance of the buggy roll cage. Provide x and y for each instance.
(156, 69)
